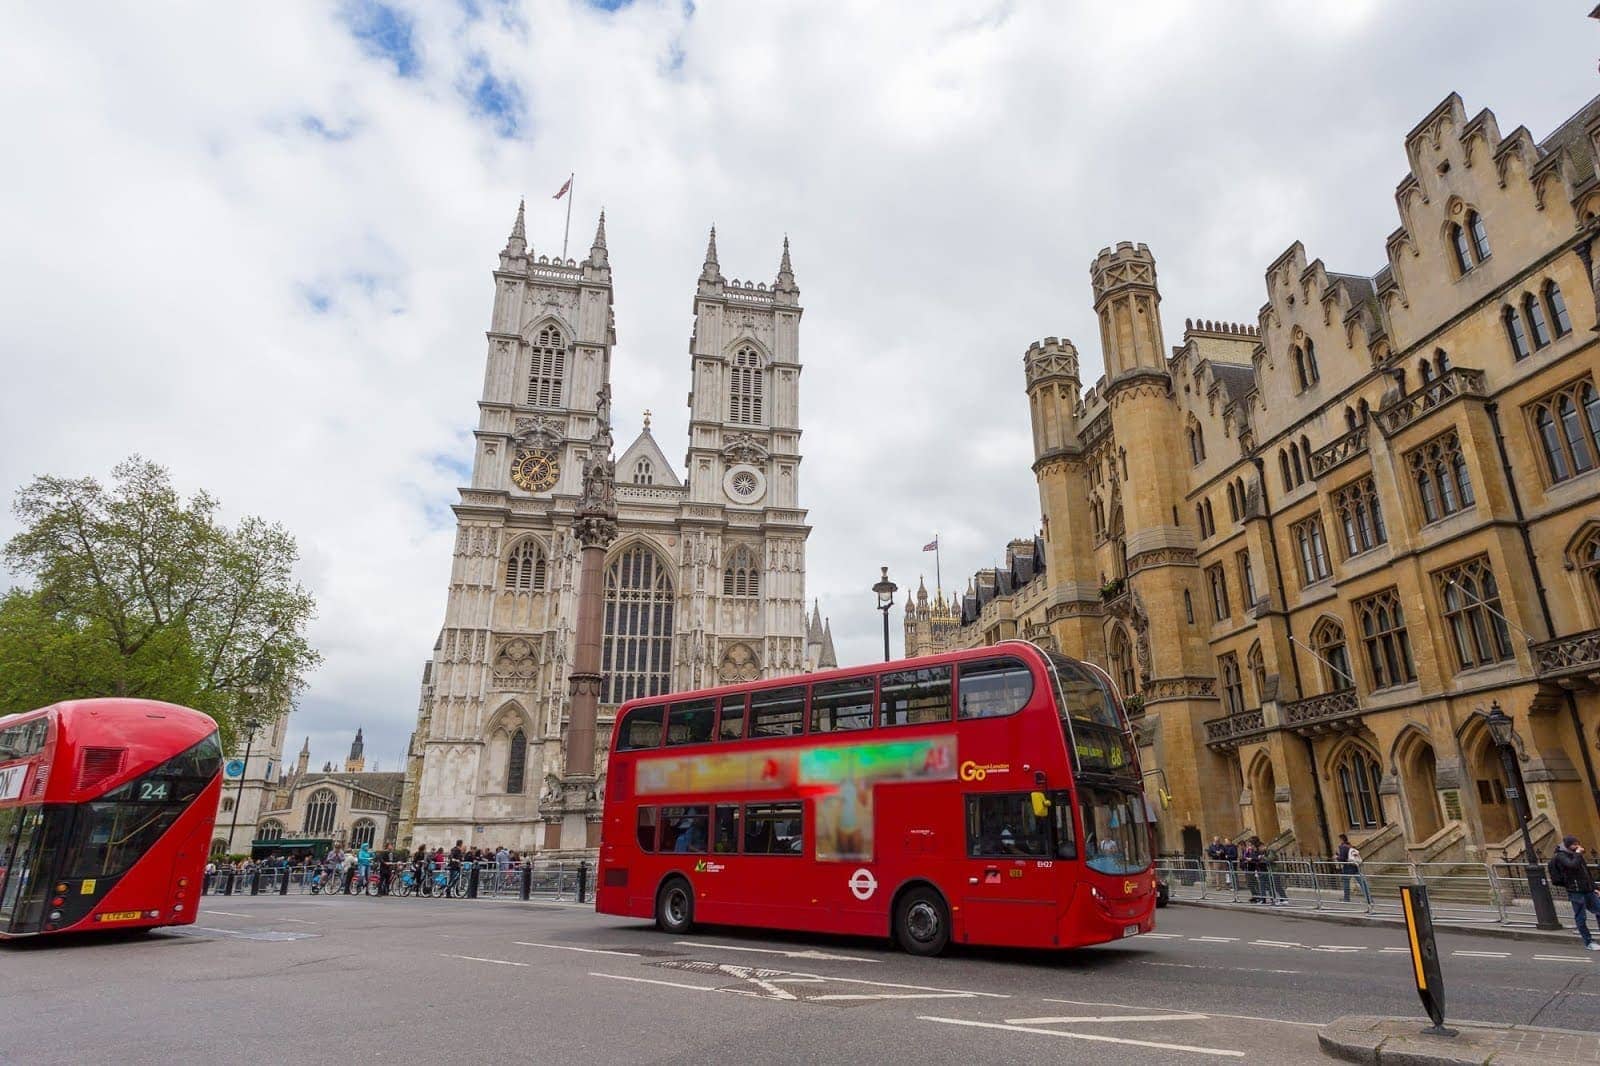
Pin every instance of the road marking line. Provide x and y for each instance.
(811, 953)
(475, 958)
(1200, 966)
(1340, 947)
(227, 914)
(860, 996)
(300, 921)
(747, 973)
(651, 981)
(1483, 954)
(569, 947)
(1096, 1037)
(1395, 951)
(1214, 939)
(1210, 1014)
(1275, 943)
(1162, 936)
(1562, 958)
(1068, 1019)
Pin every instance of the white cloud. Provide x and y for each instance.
(243, 244)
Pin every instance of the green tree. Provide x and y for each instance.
(137, 592)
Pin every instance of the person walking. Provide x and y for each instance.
(1349, 859)
(1250, 861)
(1569, 868)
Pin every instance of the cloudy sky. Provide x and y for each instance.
(254, 243)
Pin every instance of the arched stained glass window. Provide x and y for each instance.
(637, 654)
(320, 813)
(517, 762)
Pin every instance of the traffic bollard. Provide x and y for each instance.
(283, 882)
(472, 882)
(227, 887)
(255, 881)
(527, 881)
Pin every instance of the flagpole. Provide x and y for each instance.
(567, 232)
(938, 576)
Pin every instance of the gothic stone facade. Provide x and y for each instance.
(705, 583)
(1313, 548)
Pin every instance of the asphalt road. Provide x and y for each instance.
(319, 979)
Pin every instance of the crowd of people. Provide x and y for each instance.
(347, 870)
(1258, 866)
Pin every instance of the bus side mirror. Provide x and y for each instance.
(1041, 804)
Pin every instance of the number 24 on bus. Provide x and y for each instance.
(990, 796)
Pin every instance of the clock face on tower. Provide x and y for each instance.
(535, 470)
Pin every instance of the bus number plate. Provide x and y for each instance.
(1130, 930)
(119, 916)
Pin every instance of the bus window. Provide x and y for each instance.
(725, 835)
(772, 829)
(1066, 827)
(915, 697)
(731, 725)
(1116, 832)
(20, 741)
(995, 687)
(1003, 825)
(640, 729)
(778, 712)
(647, 829)
(683, 829)
(837, 706)
(690, 723)
(1082, 696)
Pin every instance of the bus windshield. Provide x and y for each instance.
(1116, 831)
(1090, 719)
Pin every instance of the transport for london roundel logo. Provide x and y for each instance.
(863, 884)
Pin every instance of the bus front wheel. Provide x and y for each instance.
(675, 907)
(922, 922)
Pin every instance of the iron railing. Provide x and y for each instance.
(536, 880)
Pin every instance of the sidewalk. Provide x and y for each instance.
(1456, 922)
(1360, 1038)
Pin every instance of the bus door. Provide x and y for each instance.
(21, 830)
(1009, 888)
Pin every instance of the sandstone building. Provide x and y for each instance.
(1314, 547)
(705, 583)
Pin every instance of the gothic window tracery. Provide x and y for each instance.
(320, 811)
(1557, 306)
(1312, 549)
(745, 388)
(271, 829)
(1360, 517)
(1385, 640)
(525, 567)
(1439, 472)
(636, 657)
(1122, 662)
(365, 831)
(1472, 614)
(547, 369)
(1358, 773)
(1567, 425)
(1587, 559)
(517, 762)
(1327, 640)
(1257, 666)
(644, 472)
(1232, 683)
(742, 577)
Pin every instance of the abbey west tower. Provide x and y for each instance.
(704, 584)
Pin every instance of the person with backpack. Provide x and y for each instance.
(1569, 868)
(1349, 859)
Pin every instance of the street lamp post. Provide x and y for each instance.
(1502, 730)
(885, 590)
(238, 796)
(260, 677)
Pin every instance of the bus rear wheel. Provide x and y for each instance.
(922, 922)
(675, 907)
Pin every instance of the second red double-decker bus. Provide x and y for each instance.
(989, 796)
(106, 812)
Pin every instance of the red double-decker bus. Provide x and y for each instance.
(989, 796)
(106, 812)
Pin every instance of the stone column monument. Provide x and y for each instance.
(596, 528)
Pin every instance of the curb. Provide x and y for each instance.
(1380, 1041)
(1496, 931)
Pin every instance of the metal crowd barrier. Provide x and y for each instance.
(1490, 893)
(535, 880)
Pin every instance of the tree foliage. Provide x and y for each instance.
(137, 592)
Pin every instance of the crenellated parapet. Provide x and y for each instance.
(1050, 360)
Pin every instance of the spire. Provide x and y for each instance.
(305, 749)
(785, 282)
(356, 746)
(597, 251)
(517, 243)
(814, 629)
(711, 271)
(829, 659)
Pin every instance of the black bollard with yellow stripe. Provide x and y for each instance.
(1424, 956)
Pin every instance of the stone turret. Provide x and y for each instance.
(357, 759)
(1051, 368)
(1128, 303)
